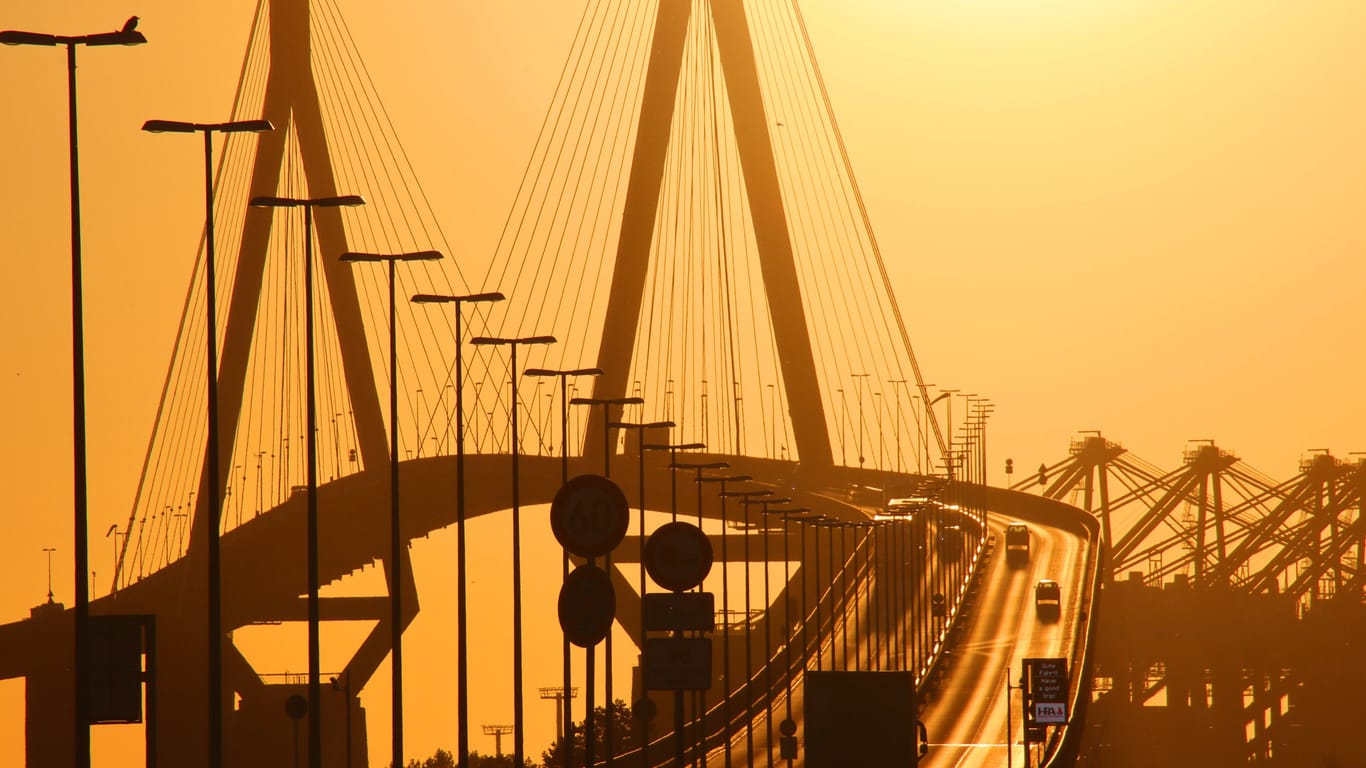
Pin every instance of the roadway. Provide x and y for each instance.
(965, 712)
(965, 715)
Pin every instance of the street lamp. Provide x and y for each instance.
(640, 428)
(673, 449)
(768, 642)
(803, 521)
(896, 417)
(929, 410)
(564, 376)
(607, 445)
(699, 697)
(725, 607)
(606, 403)
(564, 406)
(49, 551)
(462, 637)
(746, 497)
(315, 733)
(212, 504)
(128, 35)
(514, 447)
(395, 532)
(858, 382)
(787, 513)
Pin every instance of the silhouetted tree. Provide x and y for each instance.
(444, 759)
(623, 735)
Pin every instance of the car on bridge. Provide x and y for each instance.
(1047, 600)
(1017, 543)
(950, 542)
(900, 508)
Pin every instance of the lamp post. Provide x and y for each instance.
(787, 513)
(746, 498)
(803, 521)
(395, 531)
(640, 428)
(114, 564)
(128, 35)
(607, 444)
(564, 376)
(768, 641)
(462, 636)
(877, 408)
(844, 593)
(824, 521)
(929, 408)
(856, 529)
(700, 697)
(877, 616)
(673, 449)
(843, 416)
(772, 422)
(725, 608)
(858, 383)
(896, 394)
(48, 551)
(212, 502)
(315, 733)
(514, 447)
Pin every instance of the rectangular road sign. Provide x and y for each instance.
(680, 612)
(1047, 690)
(677, 664)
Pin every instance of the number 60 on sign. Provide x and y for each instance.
(589, 516)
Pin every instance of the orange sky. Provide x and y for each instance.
(1141, 216)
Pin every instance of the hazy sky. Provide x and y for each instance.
(1141, 216)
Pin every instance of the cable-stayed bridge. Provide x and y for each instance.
(688, 222)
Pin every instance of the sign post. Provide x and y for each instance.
(589, 517)
(1043, 699)
(678, 557)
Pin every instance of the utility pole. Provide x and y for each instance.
(558, 694)
(497, 732)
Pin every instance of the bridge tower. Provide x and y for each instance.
(754, 142)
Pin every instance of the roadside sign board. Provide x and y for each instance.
(589, 516)
(1047, 690)
(117, 648)
(587, 606)
(860, 719)
(680, 612)
(678, 556)
(677, 664)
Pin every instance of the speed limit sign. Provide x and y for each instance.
(589, 515)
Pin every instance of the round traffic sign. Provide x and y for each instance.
(589, 515)
(678, 556)
(787, 728)
(587, 606)
(296, 707)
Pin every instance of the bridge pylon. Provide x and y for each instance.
(754, 142)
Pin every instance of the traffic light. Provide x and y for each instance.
(937, 607)
(1043, 474)
(1010, 467)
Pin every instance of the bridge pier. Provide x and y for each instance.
(259, 733)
